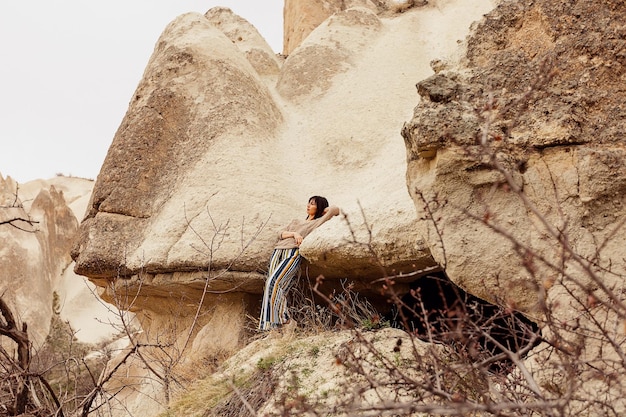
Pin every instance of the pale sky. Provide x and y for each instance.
(70, 67)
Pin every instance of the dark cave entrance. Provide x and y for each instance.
(437, 310)
(432, 308)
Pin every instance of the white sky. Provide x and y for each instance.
(69, 68)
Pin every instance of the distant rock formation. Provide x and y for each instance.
(303, 17)
(35, 250)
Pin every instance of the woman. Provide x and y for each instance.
(285, 262)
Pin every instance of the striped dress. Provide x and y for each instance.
(284, 267)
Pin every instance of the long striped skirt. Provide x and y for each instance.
(283, 269)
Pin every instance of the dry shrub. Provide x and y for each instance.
(243, 401)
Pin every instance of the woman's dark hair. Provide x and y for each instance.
(321, 204)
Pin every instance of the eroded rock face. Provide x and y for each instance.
(216, 154)
(302, 17)
(34, 251)
(517, 154)
(200, 111)
(210, 151)
(330, 50)
(516, 166)
(538, 95)
(247, 39)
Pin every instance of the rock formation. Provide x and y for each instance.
(516, 163)
(536, 97)
(217, 152)
(210, 148)
(302, 17)
(36, 249)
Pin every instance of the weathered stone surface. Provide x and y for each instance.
(213, 158)
(330, 50)
(247, 39)
(302, 17)
(540, 91)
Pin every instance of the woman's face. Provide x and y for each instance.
(311, 208)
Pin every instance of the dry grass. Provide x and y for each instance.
(248, 375)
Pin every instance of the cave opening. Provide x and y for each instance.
(431, 308)
(437, 310)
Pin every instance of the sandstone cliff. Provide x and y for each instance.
(516, 165)
(513, 159)
(538, 98)
(223, 143)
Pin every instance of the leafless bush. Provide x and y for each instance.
(343, 308)
(64, 381)
(21, 390)
(305, 309)
(12, 214)
(160, 352)
(244, 401)
(70, 367)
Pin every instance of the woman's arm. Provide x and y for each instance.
(331, 211)
(285, 234)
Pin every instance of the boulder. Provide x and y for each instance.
(519, 145)
(200, 111)
(211, 160)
